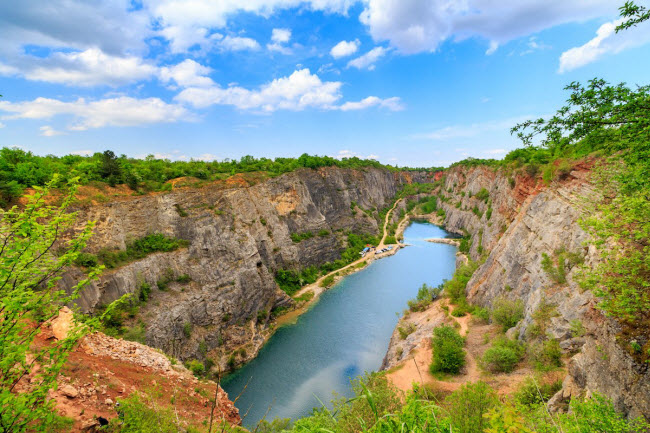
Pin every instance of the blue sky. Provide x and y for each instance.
(408, 82)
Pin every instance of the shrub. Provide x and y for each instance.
(482, 314)
(196, 367)
(406, 330)
(327, 281)
(323, 232)
(546, 355)
(180, 210)
(86, 260)
(507, 313)
(183, 279)
(483, 194)
(390, 240)
(468, 406)
(426, 294)
(139, 249)
(187, 329)
(144, 292)
(556, 273)
(299, 237)
(533, 391)
(448, 353)
(503, 356)
(262, 315)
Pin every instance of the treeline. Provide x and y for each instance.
(20, 169)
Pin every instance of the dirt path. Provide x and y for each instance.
(416, 367)
(316, 286)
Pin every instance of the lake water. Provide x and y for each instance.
(345, 334)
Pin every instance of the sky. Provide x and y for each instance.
(407, 82)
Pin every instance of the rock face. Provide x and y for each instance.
(527, 220)
(238, 237)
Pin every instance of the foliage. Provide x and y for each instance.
(468, 406)
(196, 367)
(426, 294)
(483, 194)
(299, 237)
(455, 288)
(507, 313)
(29, 297)
(546, 354)
(448, 353)
(20, 170)
(406, 330)
(635, 15)
(139, 249)
(534, 391)
(503, 356)
(505, 419)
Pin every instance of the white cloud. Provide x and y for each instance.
(351, 154)
(206, 157)
(281, 36)
(345, 48)
(48, 131)
(495, 151)
(367, 61)
(494, 45)
(298, 91)
(393, 104)
(534, 45)
(607, 41)
(2, 125)
(91, 67)
(414, 26)
(472, 130)
(187, 73)
(237, 43)
(122, 111)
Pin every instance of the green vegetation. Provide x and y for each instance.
(507, 313)
(299, 237)
(483, 195)
(503, 355)
(29, 298)
(20, 170)
(448, 352)
(426, 295)
(406, 330)
(469, 406)
(136, 250)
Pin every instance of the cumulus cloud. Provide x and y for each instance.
(279, 37)
(91, 67)
(414, 26)
(187, 73)
(607, 41)
(122, 111)
(345, 48)
(298, 91)
(48, 131)
(473, 130)
(368, 60)
(392, 104)
(238, 43)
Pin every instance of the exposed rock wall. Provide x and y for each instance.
(238, 238)
(527, 220)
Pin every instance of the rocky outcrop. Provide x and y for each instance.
(512, 227)
(239, 236)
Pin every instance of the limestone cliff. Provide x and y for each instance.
(513, 226)
(239, 236)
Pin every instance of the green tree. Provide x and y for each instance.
(33, 255)
(110, 169)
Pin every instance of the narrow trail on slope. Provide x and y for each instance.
(316, 288)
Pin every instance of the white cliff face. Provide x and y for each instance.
(529, 219)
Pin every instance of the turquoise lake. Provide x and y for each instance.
(345, 333)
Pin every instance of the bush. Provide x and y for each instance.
(448, 353)
(503, 356)
(327, 281)
(546, 355)
(455, 288)
(507, 313)
(483, 194)
(426, 294)
(140, 248)
(406, 330)
(196, 367)
(482, 314)
(467, 407)
(533, 391)
(323, 232)
(299, 237)
(86, 260)
(390, 240)
(187, 329)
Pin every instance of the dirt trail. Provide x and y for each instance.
(316, 286)
(416, 367)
